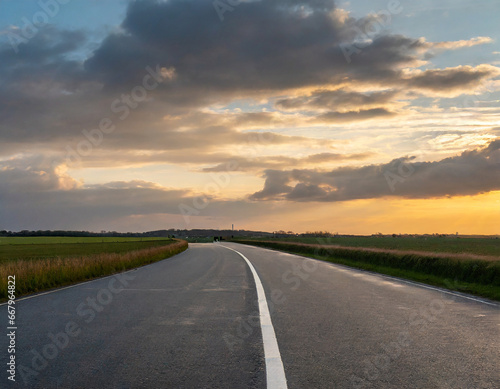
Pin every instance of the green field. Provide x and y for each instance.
(50, 247)
(44, 263)
(68, 239)
(477, 246)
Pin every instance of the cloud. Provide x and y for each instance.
(264, 45)
(453, 45)
(34, 191)
(238, 163)
(189, 145)
(48, 46)
(217, 108)
(451, 81)
(33, 173)
(470, 173)
(350, 116)
(337, 99)
(263, 49)
(238, 53)
(342, 106)
(33, 195)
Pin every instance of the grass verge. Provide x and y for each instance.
(478, 277)
(35, 275)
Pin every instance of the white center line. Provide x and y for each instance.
(275, 373)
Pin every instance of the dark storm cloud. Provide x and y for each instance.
(469, 173)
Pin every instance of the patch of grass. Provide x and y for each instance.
(479, 277)
(35, 275)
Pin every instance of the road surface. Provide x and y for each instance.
(194, 321)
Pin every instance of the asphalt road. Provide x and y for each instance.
(192, 321)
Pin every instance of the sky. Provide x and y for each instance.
(356, 117)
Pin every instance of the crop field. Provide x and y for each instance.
(477, 246)
(57, 262)
(69, 239)
(50, 247)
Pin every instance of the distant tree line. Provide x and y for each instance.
(319, 234)
(170, 233)
(203, 233)
(71, 233)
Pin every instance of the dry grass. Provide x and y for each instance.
(36, 275)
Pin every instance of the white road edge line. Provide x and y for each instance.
(275, 372)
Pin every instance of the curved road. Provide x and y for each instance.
(192, 321)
